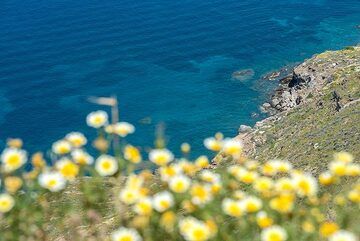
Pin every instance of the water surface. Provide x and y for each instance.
(171, 61)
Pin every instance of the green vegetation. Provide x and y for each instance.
(309, 134)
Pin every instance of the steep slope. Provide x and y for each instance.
(318, 113)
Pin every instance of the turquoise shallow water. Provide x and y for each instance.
(168, 60)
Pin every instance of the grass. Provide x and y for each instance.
(309, 134)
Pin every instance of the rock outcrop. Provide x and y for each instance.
(317, 112)
(308, 79)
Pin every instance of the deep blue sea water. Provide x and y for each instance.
(168, 60)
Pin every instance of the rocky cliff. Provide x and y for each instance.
(317, 112)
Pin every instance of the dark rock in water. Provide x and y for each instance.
(243, 74)
(279, 74)
(254, 115)
(286, 80)
(272, 76)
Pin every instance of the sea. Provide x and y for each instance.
(170, 63)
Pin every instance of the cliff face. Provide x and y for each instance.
(318, 113)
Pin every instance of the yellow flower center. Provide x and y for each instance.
(106, 165)
(52, 182)
(251, 207)
(125, 238)
(164, 203)
(275, 237)
(69, 170)
(98, 119)
(199, 192)
(14, 160)
(305, 186)
(234, 210)
(161, 159)
(63, 149)
(199, 234)
(179, 186)
(4, 203)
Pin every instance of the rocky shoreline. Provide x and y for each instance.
(302, 85)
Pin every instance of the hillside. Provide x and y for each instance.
(318, 113)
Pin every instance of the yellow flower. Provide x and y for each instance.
(188, 206)
(202, 162)
(106, 165)
(338, 168)
(276, 166)
(326, 178)
(147, 175)
(7, 202)
(126, 234)
(269, 169)
(215, 188)
(167, 172)
(213, 144)
(161, 157)
(344, 157)
(67, 168)
(81, 157)
(343, 235)
(12, 159)
(97, 119)
(263, 220)
(167, 220)
(306, 185)
(340, 200)
(179, 183)
(13, 184)
(123, 129)
(210, 176)
(354, 196)
(61, 147)
(14, 143)
(129, 195)
(263, 184)
(134, 181)
(76, 139)
(273, 233)
(37, 160)
(243, 175)
(200, 194)
(232, 207)
(187, 167)
(232, 147)
(252, 165)
(283, 203)
(140, 222)
(194, 230)
(284, 185)
(284, 166)
(247, 177)
(212, 227)
(353, 170)
(239, 195)
(132, 154)
(162, 201)
(143, 207)
(101, 144)
(53, 181)
(328, 228)
(185, 148)
(251, 204)
(308, 226)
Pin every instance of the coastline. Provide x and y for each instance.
(317, 95)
